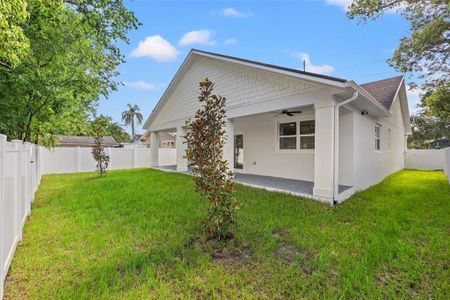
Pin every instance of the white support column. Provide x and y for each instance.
(228, 152)
(2, 208)
(19, 191)
(154, 145)
(182, 163)
(324, 153)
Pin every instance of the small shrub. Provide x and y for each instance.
(98, 152)
(205, 144)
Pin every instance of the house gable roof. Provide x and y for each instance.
(380, 102)
(292, 70)
(385, 90)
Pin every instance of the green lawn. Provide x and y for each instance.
(133, 234)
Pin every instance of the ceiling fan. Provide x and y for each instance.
(289, 113)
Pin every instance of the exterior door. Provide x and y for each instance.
(239, 151)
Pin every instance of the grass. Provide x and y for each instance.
(132, 235)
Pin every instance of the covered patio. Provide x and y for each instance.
(291, 186)
(286, 149)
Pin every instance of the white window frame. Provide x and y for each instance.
(305, 135)
(377, 137)
(287, 136)
(297, 120)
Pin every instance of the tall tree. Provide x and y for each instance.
(426, 129)
(129, 115)
(111, 128)
(14, 43)
(72, 60)
(426, 50)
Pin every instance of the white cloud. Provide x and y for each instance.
(342, 3)
(413, 97)
(230, 41)
(156, 47)
(140, 85)
(202, 37)
(323, 69)
(234, 13)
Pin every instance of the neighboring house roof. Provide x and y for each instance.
(371, 92)
(86, 141)
(384, 90)
(136, 138)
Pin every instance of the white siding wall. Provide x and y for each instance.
(346, 147)
(261, 156)
(372, 166)
(238, 83)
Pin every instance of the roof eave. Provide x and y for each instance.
(323, 81)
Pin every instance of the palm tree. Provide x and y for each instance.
(129, 115)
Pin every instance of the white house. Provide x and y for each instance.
(310, 134)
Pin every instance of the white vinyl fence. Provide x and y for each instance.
(76, 159)
(21, 168)
(447, 163)
(20, 175)
(430, 159)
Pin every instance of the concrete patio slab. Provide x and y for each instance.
(292, 186)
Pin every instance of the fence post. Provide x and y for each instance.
(447, 163)
(108, 152)
(33, 171)
(29, 170)
(18, 208)
(78, 159)
(134, 156)
(38, 158)
(2, 209)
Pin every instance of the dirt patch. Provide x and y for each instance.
(347, 220)
(279, 233)
(384, 277)
(228, 252)
(232, 253)
(290, 253)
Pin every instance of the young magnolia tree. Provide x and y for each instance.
(205, 146)
(98, 152)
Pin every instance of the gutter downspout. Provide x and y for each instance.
(336, 145)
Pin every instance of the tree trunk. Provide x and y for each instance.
(27, 137)
(132, 126)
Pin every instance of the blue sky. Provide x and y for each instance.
(282, 33)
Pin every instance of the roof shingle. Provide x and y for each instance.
(383, 90)
(86, 141)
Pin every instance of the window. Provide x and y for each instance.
(377, 137)
(288, 136)
(307, 131)
(301, 133)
